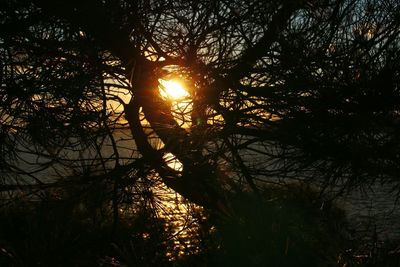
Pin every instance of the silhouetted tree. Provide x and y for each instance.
(280, 91)
(296, 89)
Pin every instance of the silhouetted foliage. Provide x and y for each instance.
(53, 233)
(278, 92)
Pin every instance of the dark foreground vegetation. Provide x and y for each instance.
(292, 227)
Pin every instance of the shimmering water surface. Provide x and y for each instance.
(369, 211)
(374, 210)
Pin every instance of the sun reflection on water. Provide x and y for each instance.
(182, 218)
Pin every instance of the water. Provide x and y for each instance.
(374, 210)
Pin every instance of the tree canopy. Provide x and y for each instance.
(278, 91)
(298, 89)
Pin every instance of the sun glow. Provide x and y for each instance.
(173, 89)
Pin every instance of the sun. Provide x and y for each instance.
(172, 89)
